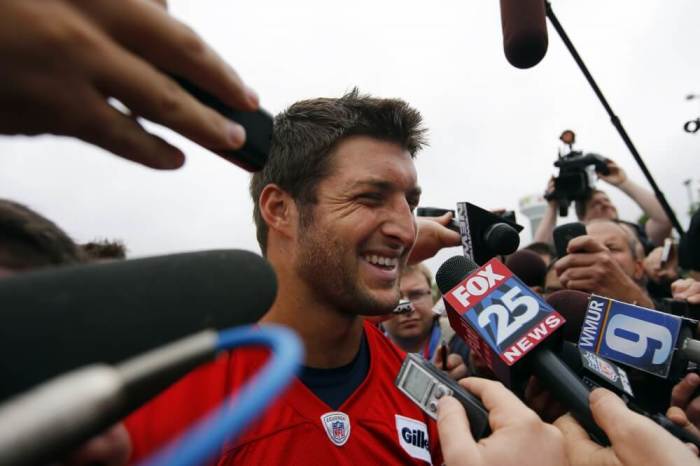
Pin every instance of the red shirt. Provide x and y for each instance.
(376, 424)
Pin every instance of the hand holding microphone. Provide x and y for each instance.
(433, 235)
(685, 404)
(686, 289)
(635, 440)
(62, 60)
(518, 435)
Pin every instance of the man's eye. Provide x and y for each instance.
(374, 197)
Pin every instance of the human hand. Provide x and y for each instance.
(541, 401)
(63, 59)
(686, 289)
(635, 440)
(683, 397)
(518, 435)
(433, 235)
(479, 367)
(111, 448)
(590, 267)
(617, 175)
(549, 190)
(658, 273)
(456, 367)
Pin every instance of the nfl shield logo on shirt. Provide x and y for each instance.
(337, 427)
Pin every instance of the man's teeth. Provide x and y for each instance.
(379, 260)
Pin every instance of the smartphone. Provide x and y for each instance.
(437, 212)
(565, 233)
(425, 384)
(258, 128)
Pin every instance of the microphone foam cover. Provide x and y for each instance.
(55, 320)
(502, 238)
(572, 305)
(528, 266)
(524, 32)
(452, 271)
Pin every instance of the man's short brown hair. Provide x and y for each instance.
(29, 240)
(305, 135)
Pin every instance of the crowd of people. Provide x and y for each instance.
(334, 215)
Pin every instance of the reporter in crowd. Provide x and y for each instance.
(421, 330)
(599, 206)
(61, 61)
(606, 262)
(333, 211)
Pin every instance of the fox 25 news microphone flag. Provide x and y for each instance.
(506, 322)
(500, 318)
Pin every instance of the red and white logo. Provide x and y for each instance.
(337, 426)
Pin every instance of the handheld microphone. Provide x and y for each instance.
(572, 304)
(648, 340)
(258, 128)
(524, 32)
(484, 234)
(61, 319)
(528, 266)
(72, 407)
(504, 321)
(68, 410)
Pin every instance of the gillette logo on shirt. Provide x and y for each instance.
(413, 438)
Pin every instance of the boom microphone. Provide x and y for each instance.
(524, 32)
(61, 319)
(51, 420)
(504, 321)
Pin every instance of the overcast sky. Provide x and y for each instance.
(493, 129)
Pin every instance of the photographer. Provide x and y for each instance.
(597, 205)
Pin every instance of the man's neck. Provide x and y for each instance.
(331, 338)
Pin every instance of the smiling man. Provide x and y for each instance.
(334, 216)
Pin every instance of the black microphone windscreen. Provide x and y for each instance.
(60, 319)
(503, 238)
(524, 32)
(528, 266)
(572, 304)
(452, 271)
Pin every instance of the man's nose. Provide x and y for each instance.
(401, 224)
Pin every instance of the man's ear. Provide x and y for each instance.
(278, 210)
(639, 273)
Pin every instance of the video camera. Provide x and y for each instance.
(577, 174)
